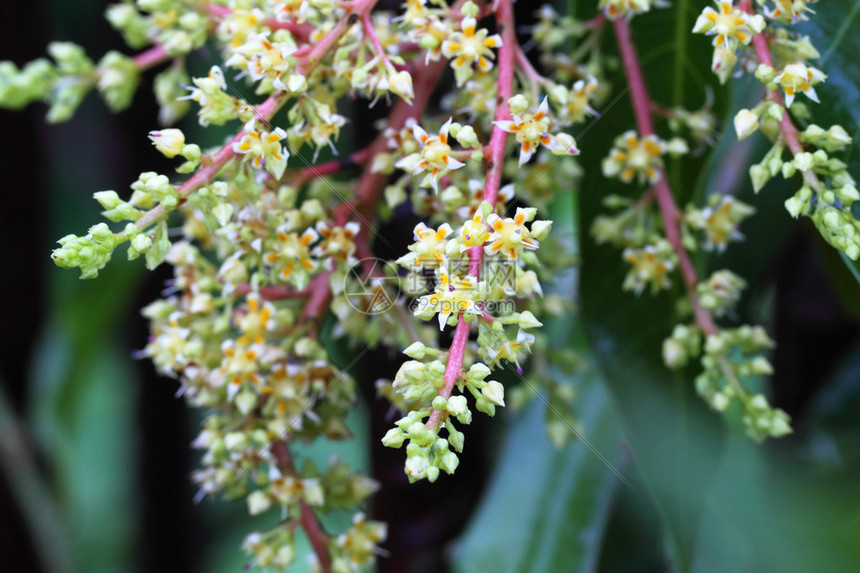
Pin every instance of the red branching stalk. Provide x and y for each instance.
(370, 186)
(507, 58)
(317, 537)
(302, 176)
(662, 192)
(307, 519)
(318, 299)
(151, 58)
(786, 127)
(370, 33)
(213, 164)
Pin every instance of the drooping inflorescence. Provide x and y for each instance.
(271, 246)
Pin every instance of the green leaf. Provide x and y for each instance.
(546, 508)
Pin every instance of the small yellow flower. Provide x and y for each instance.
(323, 127)
(434, 156)
(257, 319)
(428, 250)
(798, 77)
(470, 46)
(264, 148)
(474, 232)
(729, 26)
(264, 59)
(531, 132)
(476, 197)
(617, 8)
(577, 106)
(651, 264)
(293, 10)
(789, 10)
(453, 295)
(238, 24)
(502, 348)
(510, 236)
(720, 221)
(338, 243)
(633, 156)
(291, 257)
(240, 364)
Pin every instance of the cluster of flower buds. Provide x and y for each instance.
(268, 246)
(784, 67)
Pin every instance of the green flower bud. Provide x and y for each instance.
(141, 243)
(222, 213)
(246, 401)
(394, 438)
(470, 9)
(415, 350)
(107, 199)
(759, 176)
(467, 137)
(746, 123)
(428, 42)
(118, 78)
(258, 502)
(449, 462)
(765, 74)
(518, 104)
(494, 392)
(527, 320)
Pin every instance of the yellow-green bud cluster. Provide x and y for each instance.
(730, 356)
(428, 453)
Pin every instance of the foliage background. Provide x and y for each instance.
(95, 446)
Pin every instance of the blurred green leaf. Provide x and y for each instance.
(547, 508)
(656, 407)
(83, 414)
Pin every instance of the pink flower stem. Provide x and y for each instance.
(507, 58)
(307, 519)
(370, 33)
(528, 69)
(305, 174)
(213, 164)
(662, 192)
(151, 58)
(786, 126)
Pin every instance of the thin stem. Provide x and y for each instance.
(308, 519)
(213, 164)
(266, 110)
(662, 192)
(151, 58)
(367, 25)
(306, 174)
(786, 127)
(507, 57)
(528, 69)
